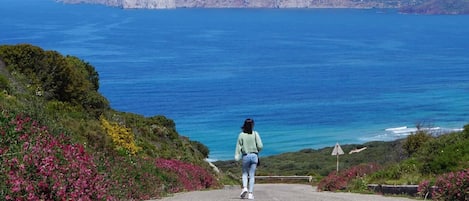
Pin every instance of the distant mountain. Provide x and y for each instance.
(404, 6)
(165, 4)
(439, 7)
(128, 4)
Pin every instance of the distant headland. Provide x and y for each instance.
(404, 6)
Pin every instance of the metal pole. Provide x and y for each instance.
(337, 163)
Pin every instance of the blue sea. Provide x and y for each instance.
(310, 78)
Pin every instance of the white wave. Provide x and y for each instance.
(396, 128)
(403, 130)
(431, 129)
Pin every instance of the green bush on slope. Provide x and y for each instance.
(55, 77)
(320, 162)
(60, 92)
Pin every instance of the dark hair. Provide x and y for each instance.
(248, 126)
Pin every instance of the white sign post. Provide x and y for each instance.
(336, 152)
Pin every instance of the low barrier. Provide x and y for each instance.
(394, 189)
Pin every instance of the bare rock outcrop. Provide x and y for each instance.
(149, 4)
(287, 4)
(165, 4)
(406, 6)
(129, 4)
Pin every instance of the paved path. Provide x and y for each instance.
(278, 192)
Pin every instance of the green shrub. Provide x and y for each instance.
(201, 148)
(414, 141)
(438, 156)
(349, 178)
(55, 77)
(61, 93)
(4, 84)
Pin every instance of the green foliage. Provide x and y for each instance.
(4, 85)
(159, 135)
(433, 156)
(54, 76)
(419, 157)
(359, 185)
(24, 57)
(398, 174)
(349, 179)
(320, 162)
(414, 141)
(465, 131)
(201, 148)
(61, 93)
(444, 154)
(85, 69)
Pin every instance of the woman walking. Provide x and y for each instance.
(248, 146)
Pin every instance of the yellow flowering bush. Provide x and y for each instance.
(121, 136)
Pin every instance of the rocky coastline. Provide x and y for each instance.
(172, 4)
(453, 7)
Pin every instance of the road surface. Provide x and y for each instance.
(278, 192)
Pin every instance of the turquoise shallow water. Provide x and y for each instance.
(309, 77)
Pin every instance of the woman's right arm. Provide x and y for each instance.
(259, 142)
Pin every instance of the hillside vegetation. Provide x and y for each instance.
(320, 162)
(423, 158)
(62, 141)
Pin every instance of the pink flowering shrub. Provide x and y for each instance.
(38, 166)
(452, 186)
(189, 177)
(339, 181)
(134, 178)
(332, 182)
(424, 189)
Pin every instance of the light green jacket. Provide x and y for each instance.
(248, 143)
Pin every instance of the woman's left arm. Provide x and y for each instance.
(259, 142)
